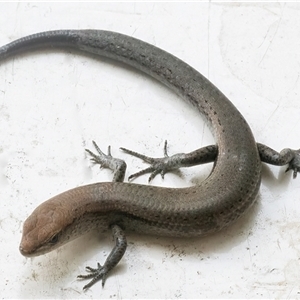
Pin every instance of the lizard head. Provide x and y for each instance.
(43, 229)
(63, 218)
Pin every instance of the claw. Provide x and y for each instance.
(294, 164)
(166, 149)
(137, 174)
(118, 166)
(295, 171)
(100, 159)
(153, 174)
(143, 157)
(96, 274)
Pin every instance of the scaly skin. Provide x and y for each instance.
(208, 207)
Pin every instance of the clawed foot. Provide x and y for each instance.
(294, 164)
(99, 273)
(158, 165)
(118, 166)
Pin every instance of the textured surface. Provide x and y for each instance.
(207, 207)
(242, 102)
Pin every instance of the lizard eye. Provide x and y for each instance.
(54, 239)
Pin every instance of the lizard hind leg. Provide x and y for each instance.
(294, 164)
(286, 156)
(168, 163)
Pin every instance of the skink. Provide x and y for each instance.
(224, 196)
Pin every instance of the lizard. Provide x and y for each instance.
(224, 196)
